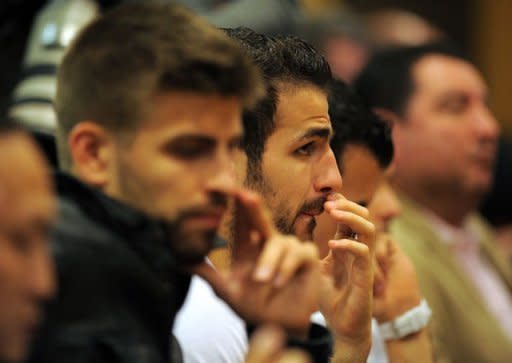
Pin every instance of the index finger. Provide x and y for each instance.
(259, 216)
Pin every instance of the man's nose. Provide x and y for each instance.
(327, 175)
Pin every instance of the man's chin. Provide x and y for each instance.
(303, 227)
(192, 248)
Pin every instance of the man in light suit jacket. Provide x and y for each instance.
(445, 138)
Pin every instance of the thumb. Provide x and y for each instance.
(265, 345)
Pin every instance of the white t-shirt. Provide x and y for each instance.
(208, 330)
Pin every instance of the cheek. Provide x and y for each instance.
(11, 279)
(170, 185)
(290, 179)
(418, 147)
(443, 146)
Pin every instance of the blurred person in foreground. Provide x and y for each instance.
(27, 211)
(445, 139)
(147, 132)
(364, 151)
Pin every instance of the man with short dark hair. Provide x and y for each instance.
(27, 211)
(288, 160)
(445, 137)
(291, 164)
(149, 101)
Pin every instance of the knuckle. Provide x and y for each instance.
(311, 249)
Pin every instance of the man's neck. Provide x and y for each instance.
(453, 208)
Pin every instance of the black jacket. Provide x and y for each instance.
(119, 287)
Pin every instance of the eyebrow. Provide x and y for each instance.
(205, 141)
(238, 138)
(321, 132)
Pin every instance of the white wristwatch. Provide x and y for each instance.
(409, 322)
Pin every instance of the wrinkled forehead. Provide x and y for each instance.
(301, 106)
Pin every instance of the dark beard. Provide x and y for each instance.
(191, 247)
(282, 217)
(188, 247)
(284, 225)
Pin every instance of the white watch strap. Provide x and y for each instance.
(409, 322)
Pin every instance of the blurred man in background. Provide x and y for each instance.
(364, 152)
(445, 140)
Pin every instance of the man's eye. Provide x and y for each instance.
(306, 149)
(20, 241)
(189, 151)
(457, 105)
(236, 145)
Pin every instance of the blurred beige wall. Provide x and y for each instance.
(319, 6)
(492, 47)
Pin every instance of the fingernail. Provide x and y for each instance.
(268, 338)
(329, 204)
(262, 273)
(279, 281)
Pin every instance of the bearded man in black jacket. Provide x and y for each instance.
(149, 104)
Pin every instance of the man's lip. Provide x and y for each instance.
(211, 219)
(208, 212)
(313, 213)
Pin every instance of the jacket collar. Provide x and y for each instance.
(147, 236)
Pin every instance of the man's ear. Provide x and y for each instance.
(386, 115)
(91, 149)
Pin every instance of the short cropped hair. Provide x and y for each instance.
(386, 81)
(355, 124)
(123, 58)
(282, 59)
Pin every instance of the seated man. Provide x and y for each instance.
(149, 101)
(27, 211)
(364, 151)
(445, 138)
(288, 160)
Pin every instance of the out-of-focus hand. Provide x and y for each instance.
(267, 346)
(346, 299)
(399, 293)
(400, 290)
(270, 273)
